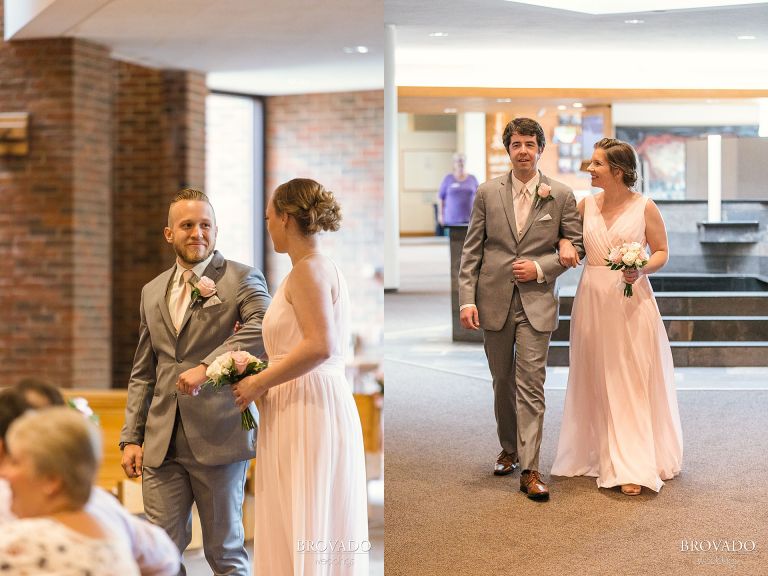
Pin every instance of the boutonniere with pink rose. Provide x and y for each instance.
(230, 368)
(543, 193)
(203, 290)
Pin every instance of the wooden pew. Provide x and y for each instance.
(109, 406)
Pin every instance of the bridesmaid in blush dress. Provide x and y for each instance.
(621, 422)
(311, 501)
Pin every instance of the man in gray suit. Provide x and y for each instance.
(507, 286)
(186, 441)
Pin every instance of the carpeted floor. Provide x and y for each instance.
(447, 514)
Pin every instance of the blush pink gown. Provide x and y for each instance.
(621, 422)
(311, 500)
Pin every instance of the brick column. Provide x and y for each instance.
(82, 215)
(159, 120)
(55, 219)
(338, 140)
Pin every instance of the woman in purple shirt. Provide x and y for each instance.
(457, 193)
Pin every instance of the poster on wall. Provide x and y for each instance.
(592, 130)
(662, 154)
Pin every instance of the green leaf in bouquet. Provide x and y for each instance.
(255, 367)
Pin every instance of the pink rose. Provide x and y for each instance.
(615, 256)
(544, 190)
(241, 359)
(207, 287)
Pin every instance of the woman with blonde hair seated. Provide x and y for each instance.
(51, 460)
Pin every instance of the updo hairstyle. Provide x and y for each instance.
(622, 157)
(314, 208)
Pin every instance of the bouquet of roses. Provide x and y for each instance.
(630, 256)
(231, 367)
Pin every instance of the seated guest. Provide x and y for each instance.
(12, 405)
(39, 484)
(40, 394)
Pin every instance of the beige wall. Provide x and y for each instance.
(744, 169)
(425, 159)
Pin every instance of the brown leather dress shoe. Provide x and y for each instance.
(533, 486)
(505, 464)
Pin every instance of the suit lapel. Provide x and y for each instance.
(214, 271)
(216, 267)
(164, 281)
(506, 193)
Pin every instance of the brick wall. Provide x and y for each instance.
(159, 134)
(92, 216)
(338, 140)
(55, 219)
(82, 215)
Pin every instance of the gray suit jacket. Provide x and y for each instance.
(492, 245)
(211, 419)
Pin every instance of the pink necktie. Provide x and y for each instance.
(522, 209)
(182, 302)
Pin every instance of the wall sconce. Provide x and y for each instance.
(13, 133)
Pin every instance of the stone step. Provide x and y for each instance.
(701, 303)
(679, 328)
(688, 354)
(698, 328)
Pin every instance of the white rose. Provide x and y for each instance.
(629, 258)
(635, 246)
(210, 372)
(614, 255)
(81, 405)
(214, 370)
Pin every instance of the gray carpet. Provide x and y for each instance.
(447, 514)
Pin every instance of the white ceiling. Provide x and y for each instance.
(497, 43)
(625, 6)
(256, 46)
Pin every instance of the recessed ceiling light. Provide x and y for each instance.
(356, 49)
(578, 105)
(450, 111)
(746, 38)
(503, 100)
(562, 107)
(438, 34)
(634, 21)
